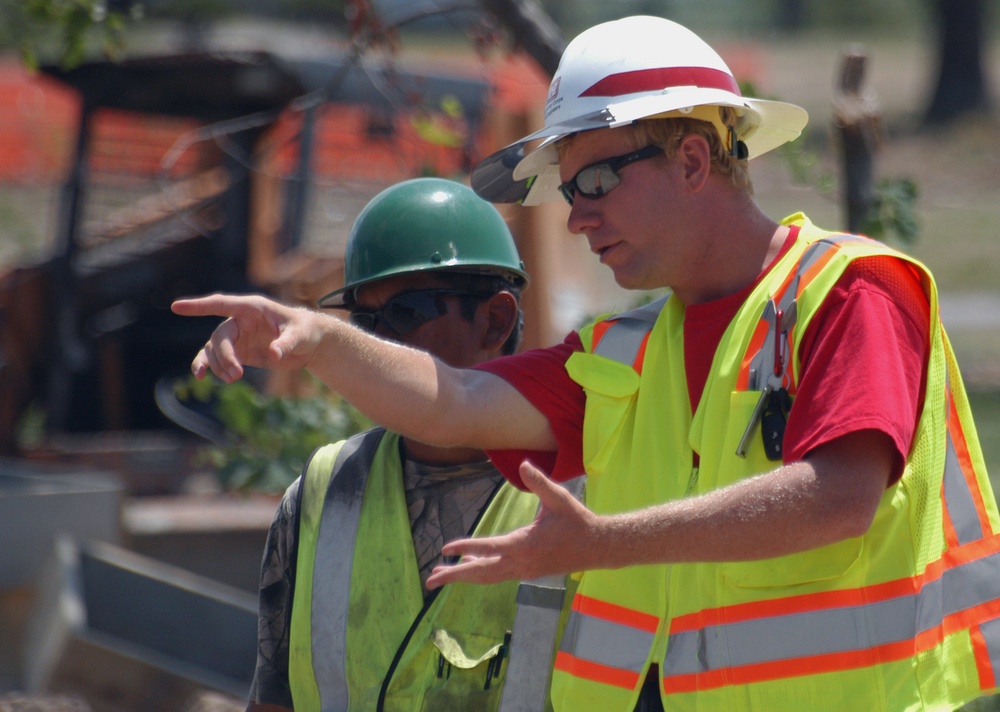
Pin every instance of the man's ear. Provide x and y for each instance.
(696, 159)
(501, 313)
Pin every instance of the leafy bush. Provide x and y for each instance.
(268, 439)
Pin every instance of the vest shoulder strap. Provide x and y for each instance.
(622, 337)
(340, 510)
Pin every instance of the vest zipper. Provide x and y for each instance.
(402, 648)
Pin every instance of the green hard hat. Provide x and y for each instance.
(422, 225)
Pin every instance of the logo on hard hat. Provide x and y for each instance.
(553, 100)
(553, 91)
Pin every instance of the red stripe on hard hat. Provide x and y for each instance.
(663, 78)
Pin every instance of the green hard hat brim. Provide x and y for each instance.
(338, 297)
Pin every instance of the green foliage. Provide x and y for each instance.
(19, 236)
(63, 28)
(269, 438)
(443, 127)
(892, 212)
(31, 427)
(892, 215)
(806, 168)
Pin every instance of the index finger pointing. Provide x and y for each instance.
(211, 305)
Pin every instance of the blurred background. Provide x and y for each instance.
(174, 147)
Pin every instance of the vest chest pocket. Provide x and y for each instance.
(470, 671)
(819, 566)
(611, 389)
(827, 563)
(741, 410)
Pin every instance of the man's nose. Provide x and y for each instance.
(583, 215)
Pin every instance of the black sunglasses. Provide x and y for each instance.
(409, 310)
(602, 177)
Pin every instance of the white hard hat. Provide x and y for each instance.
(619, 72)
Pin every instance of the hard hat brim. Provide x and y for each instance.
(516, 174)
(338, 297)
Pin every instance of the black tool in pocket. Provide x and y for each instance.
(772, 423)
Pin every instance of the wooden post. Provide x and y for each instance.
(858, 120)
(516, 113)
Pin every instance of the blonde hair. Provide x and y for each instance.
(668, 132)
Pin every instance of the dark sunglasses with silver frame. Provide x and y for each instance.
(406, 311)
(602, 177)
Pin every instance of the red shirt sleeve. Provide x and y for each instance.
(864, 360)
(540, 376)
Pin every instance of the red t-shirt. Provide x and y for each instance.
(864, 361)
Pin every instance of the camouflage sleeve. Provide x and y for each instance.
(277, 575)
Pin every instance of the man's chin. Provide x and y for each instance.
(627, 280)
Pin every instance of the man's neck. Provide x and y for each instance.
(428, 455)
(741, 248)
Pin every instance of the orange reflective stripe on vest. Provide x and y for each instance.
(609, 642)
(839, 630)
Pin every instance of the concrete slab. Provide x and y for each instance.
(127, 633)
(220, 536)
(39, 501)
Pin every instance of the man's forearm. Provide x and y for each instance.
(804, 505)
(767, 516)
(396, 386)
(411, 392)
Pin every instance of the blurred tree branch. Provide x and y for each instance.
(531, 28)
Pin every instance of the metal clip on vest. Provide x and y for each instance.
(774, 402)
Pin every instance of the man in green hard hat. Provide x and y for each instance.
(346, 621)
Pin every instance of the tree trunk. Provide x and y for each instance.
(961, 82)
(858, 120)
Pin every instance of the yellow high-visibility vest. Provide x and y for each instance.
(906, 617)
(363, 637)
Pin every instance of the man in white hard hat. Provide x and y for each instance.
(786, 502)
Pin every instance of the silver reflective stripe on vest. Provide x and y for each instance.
(762, 362)
(533, 639)
(847, 629)
(529, 670)
(958, 499)
(623, 339)
(331, 591)
(991, 634)
(605, 642)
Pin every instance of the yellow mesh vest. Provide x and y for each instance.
(906, 617)
(456, 642)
